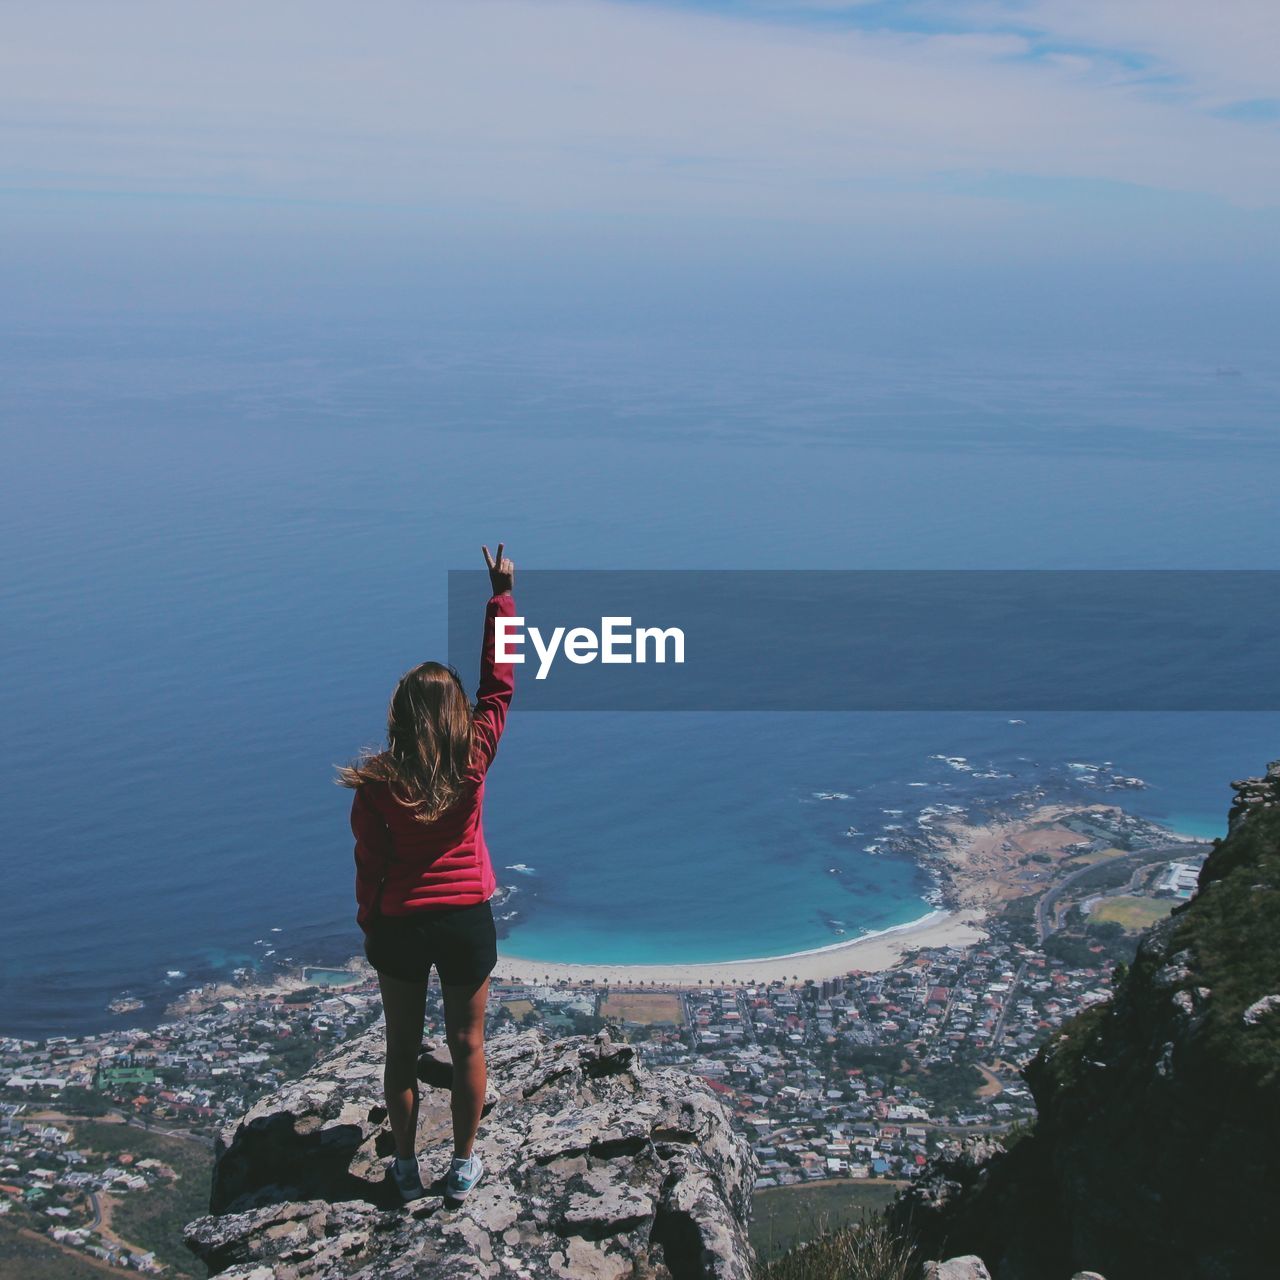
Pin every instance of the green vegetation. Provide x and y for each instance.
(1019, 915)
(1110, 874)
(32, 1257)
(1233, 931)
(294, 1055)
(586, 1024)
(783, 1218)
(1073, 950)
(1075, 947)
(1094, 857)
(949, 1085)
(1133, 914)
(871, 1250)
(75, 1100)
(1018, 1132)
(1066, 1056)
(153, 1219)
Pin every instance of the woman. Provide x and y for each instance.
(424, 880)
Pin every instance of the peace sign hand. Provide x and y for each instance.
(502, 572)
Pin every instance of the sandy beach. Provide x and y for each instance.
(987, 864)
(876, 951)
(869, 953)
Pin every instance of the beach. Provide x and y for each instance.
(868, 953)
(985, 864)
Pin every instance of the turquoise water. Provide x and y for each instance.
(331, 977)
(1199, 825)
(687, 865)
(224, 542)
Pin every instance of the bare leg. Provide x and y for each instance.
(464, 1029)
(403, 1006)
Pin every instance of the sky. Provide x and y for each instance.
(606, 132)
(301, 300)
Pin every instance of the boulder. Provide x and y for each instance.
(595, 1166)
(970, 1267)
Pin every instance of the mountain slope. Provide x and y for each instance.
(1157, 1147)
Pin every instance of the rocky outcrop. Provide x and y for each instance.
(595, 1167)
(1157, 1147)
(967, 1268)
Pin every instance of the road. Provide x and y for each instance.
(1004, 1009)
(1046, 922)
(137, 1122)
(118, 1117)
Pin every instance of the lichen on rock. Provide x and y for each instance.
(596, 1166)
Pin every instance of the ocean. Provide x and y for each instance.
(225, 540)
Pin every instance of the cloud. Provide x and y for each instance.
(519, 109)
(1220, 50)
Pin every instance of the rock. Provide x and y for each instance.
(1158, 1112)
(603, 1211)
(1254, 795)
(969, 1267)
(1088, 1275)
(595, 1166)
(1259, 1009)
(1175, 972)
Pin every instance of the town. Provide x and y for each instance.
(859, 1077)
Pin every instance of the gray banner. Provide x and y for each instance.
(884, 640)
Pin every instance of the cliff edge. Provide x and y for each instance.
(595, 1167)
(1156, 1151)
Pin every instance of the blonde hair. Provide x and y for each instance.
(429, 743)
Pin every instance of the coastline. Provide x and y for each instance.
(868, 953)
(983, 862)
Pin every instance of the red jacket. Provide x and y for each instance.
(422, 866)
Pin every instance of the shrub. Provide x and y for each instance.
(872, 1250)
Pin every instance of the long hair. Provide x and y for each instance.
(428, 749)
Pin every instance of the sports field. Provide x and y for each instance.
(1135, 914)
(644, 1007)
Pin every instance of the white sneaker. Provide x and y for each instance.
(463, 1176)
(408, 1181)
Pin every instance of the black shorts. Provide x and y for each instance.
(461, 942)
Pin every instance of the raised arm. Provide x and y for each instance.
(497, 679)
